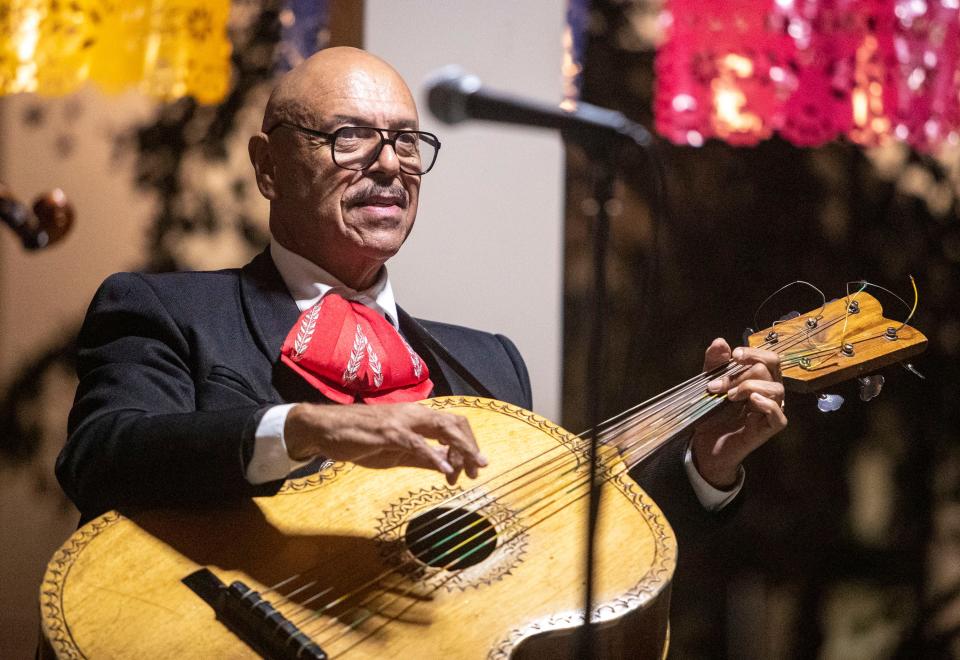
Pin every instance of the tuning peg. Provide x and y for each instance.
(870, 386)
(829, 402)
(745, 339)
(912, 369)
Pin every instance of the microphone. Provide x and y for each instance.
(454, 96)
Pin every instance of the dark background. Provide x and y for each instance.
(847, 536)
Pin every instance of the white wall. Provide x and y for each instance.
(487, 248)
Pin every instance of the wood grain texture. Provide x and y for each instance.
(113, 589)
(864, 331)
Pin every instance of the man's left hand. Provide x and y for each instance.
(755, 413)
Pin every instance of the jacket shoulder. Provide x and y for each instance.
(175, 281)
(493, 358)
(182, 289)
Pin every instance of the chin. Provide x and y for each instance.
(385, 240)
(381, 250)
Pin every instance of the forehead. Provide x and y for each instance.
(374, 96)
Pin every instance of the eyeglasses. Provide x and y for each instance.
(357, 147)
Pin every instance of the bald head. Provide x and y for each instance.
(307, 88)
(348, 221)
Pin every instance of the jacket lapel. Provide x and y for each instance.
(269, 308)
(448, 373)
(271, 312)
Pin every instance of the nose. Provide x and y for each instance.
(386, 161)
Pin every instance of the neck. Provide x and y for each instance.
(358, 275)
(357, 278)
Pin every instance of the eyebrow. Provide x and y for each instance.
(398, 124)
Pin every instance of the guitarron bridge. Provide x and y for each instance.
(253, 619)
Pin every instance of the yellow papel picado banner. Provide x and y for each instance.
(164, 48)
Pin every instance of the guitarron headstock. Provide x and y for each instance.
(848, 337)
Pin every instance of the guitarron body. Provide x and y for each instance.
(115, 588)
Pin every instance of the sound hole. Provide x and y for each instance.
(451, 538)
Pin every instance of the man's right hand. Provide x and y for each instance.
(384, 436)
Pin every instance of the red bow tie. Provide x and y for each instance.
(349, 352)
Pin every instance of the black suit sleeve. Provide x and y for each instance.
(135, 435)
(521, 368)
(664, 479)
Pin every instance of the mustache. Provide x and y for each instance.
(374, 191)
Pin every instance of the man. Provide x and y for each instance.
(197, 387)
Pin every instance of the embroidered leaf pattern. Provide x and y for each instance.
(414, 358)
(375, 367)
(356, 356)
(305, 333)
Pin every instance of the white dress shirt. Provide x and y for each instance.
(308, 283)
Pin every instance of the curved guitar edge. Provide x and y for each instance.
(53, 623)
(641, 633)
(634, 625)
(57, 637)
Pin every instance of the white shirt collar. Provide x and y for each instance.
(307, 283)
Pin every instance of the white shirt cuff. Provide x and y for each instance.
(270, 460)
(712, 499)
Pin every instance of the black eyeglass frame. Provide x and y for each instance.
(430, 138)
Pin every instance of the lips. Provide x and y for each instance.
(379, 196)
(383, 200)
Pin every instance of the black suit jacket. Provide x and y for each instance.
(177, 369)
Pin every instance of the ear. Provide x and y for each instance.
(262, 159)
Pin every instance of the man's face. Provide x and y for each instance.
(348, 222)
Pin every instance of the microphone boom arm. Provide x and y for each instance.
(454, 96)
